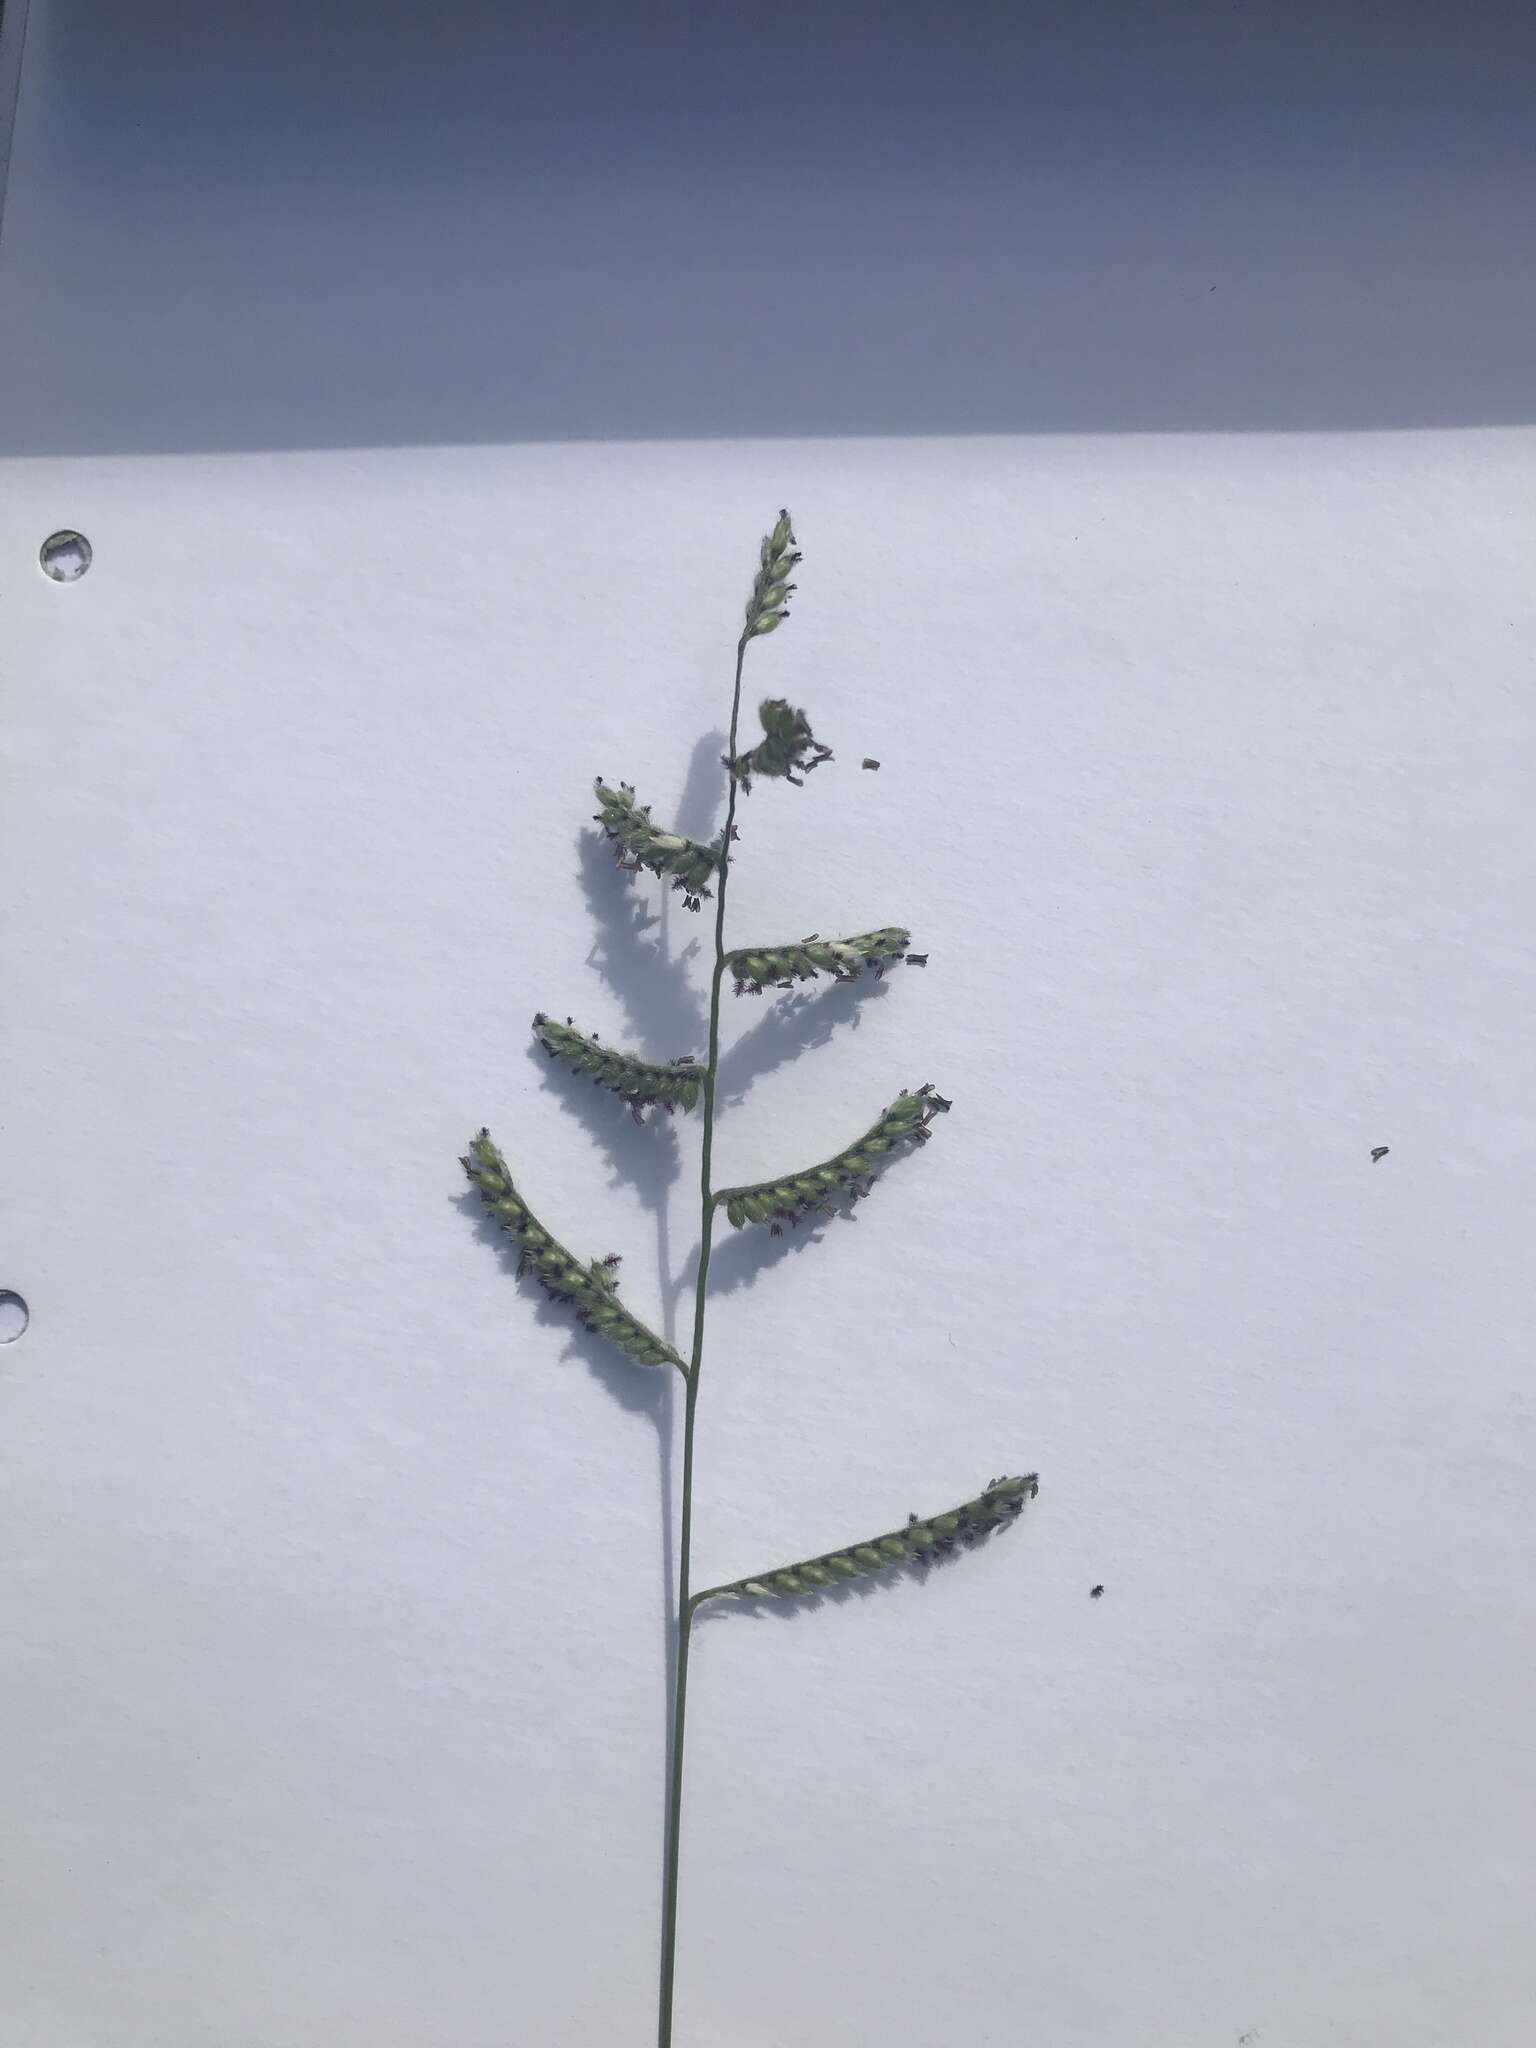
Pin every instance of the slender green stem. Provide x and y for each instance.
(685, 1603)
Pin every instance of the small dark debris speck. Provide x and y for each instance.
(870, 762)
(1095, 1592)
(1378, 1152)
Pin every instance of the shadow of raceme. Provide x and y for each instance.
(792, 1024)
(740, 1256)
(703, 798)
(663, 1007)
(645, 1155)
(645, 1390)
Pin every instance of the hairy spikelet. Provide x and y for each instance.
(638, 844)
(591, 1292)
(643, 1084)
(776, 562)
(758, 967)
(920, 1543)
(787, 744)
(849, 1175)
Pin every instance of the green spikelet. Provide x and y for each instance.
(638, 844)
(590, 1291)
(776, 562)
(849, 1174)
(758, 967)
(919, 1543)
(787, 744)
(643, 1084)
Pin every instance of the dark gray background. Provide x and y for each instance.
(376, 224)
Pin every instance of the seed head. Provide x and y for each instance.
(788, 743)
(758, 967)
(919, 1543)
(638, 844)
(847, 1176)
(643, 1084)
(590, 1291)
(776, 562)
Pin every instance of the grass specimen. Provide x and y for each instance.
(787, 752)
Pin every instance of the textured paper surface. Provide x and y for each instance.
(332, 1592)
